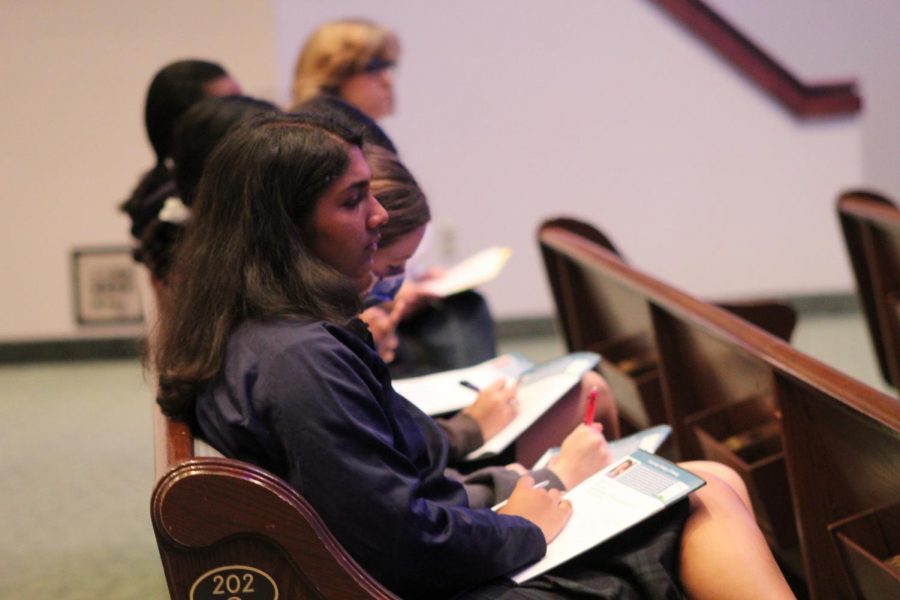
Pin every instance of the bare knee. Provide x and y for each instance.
(717, 475)
(723, 472)
(718, 517)
(593, 379)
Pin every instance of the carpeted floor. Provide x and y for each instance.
(77, 461)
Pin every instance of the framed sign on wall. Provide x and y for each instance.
(105, 286)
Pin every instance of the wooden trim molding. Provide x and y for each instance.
(802, 100)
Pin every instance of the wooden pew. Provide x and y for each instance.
(620, 329)
(871, 227)
(228, 529)
(804, 436)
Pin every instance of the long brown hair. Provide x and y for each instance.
(398, 192)
(246, 254)
(198, 131)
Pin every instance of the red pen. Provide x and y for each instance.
(591, 406)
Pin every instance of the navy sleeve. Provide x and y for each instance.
(463, 435)
(348, 444)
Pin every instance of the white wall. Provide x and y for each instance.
(840, 39)
(71, 115)
(509, 111)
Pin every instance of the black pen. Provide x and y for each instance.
(470, 385)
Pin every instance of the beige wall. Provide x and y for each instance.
(840, 39)
(509, 111)
(71, 116)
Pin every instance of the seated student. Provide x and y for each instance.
(194, 135)
(397, 191)
(174, 89)
(260, 353)
(345, 68)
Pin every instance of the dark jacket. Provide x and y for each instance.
(313, 403)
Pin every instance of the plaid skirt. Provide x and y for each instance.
(641, 563)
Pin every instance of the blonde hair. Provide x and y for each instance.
(338, 50)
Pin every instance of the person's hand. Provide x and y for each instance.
(545, 508)
(582, 453)
(383, 326)
(413, 295)
(494, 408)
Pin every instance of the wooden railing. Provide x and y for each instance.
(802, 100)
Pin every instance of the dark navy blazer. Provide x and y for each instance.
(312, 402)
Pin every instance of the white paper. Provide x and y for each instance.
(540, 387)
(648, 440)
(442, 392)
(534, 400)
(470, 273)
(618, 497)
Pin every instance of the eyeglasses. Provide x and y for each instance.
(377, 64)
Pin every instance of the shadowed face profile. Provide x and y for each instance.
(347, 219)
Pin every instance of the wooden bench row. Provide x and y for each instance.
(819, 451)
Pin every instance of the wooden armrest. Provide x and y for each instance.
(212, 513)
(222, 525)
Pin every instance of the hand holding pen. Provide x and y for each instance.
(545, 508)
(494, 407)
(584, 451)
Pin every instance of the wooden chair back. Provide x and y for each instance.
(871, 227)
(819, 451)
(616, 323)
(228, 529)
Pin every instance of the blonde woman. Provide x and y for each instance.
(351, 59)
